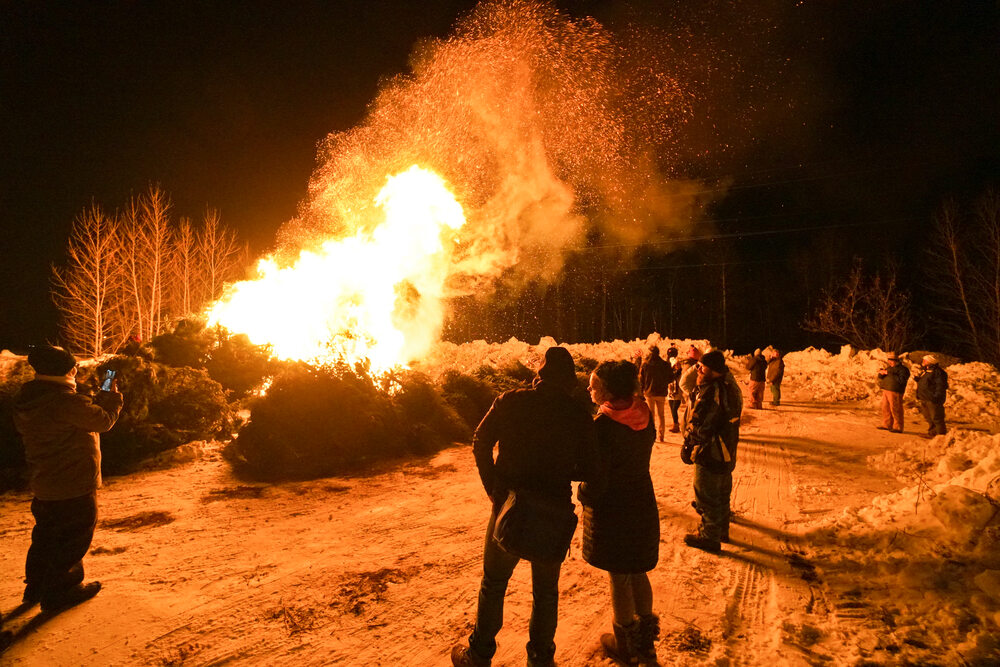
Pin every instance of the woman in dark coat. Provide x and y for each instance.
(621, 524)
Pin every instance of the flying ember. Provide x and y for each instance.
(376, 295)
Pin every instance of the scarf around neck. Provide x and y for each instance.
(635, 415)
(58, 379)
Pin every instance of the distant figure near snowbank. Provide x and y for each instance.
(892, 379)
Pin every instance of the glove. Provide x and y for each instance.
(687, 449)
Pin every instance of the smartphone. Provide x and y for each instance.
(109, 377)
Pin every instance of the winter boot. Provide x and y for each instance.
(703, 543)
(622, 646)
(649, 632)
(675, 428)
(72, 597)
(462, 656)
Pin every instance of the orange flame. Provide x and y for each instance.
(376, 296)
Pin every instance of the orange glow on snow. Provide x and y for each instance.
(376, 295)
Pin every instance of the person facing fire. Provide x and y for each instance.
(710, 445)
(545, 439)
(60, 429)
(621, 524)
(655, 377)
(932, 389)
(892, 379)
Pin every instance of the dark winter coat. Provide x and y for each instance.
(545, 439)
(932, 385)
(655, 376)
(895, 378)
(776, 370)
(757, 365)
(621, 523)
(60, 430)
(715, 421)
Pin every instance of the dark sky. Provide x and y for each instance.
(831, 111)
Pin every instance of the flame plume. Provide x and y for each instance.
(375, 296)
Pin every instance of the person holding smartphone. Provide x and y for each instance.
(61, 432)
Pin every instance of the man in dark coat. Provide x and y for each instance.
(757, 365)
(932, 389)
(775, 374)
(710, 444)
(60, 431)
(545, 439)
(892, 380)
(655, 377)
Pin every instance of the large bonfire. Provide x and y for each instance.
(509, 145)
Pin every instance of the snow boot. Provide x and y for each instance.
(649, 632)
(622, 646)
(72, 597)
(703, 543)
(462, 656)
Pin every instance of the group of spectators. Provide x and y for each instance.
(932, 389)
(544, 439)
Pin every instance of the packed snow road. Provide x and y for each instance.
(199, 568)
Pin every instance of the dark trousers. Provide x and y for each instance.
(711, 492)
(675, 406)
(934, 415)
(775, 393)
(498, 566)
(59, 541)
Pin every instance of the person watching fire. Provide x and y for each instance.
(892, 379)
(60, 429)
(545, 439)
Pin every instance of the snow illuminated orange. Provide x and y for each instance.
(376, 295)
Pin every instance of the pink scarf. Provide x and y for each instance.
(635, 415)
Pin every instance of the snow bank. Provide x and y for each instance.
(7, 361)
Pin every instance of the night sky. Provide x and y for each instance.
(857, 119)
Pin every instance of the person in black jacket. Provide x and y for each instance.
(892, 380)
(775, 374)
(621, 524)
(545, 439)
(655, 377)
(710, 444)
(757, 365)
(932, 389)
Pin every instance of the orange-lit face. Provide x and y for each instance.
(598, 394)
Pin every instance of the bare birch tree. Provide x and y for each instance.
(866, 312)
(184, 268)
(221, 255)
(86, 288)
(964, 277)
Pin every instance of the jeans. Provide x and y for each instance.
(60, 539)
(711, 492)
(498, 566)
(776, 393)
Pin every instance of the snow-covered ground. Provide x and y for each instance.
(850, 545)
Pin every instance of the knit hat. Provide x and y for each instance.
(558, 366)
(929, 360)
(51, 360)
(672, 351)
(715, 361)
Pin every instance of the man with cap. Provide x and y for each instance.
(932, 388)
(892, 379)
(544, 439)
(60, 429)
(710, 444)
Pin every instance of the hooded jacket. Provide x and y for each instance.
(60, 430)
(621, 524)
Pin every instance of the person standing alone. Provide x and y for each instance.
(892, 379)
(62, 445)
